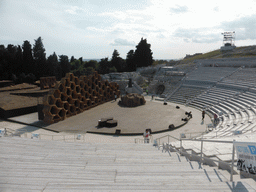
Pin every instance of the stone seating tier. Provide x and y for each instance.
(243, 76)
(213, 74)
(37, 165)
(237, 107)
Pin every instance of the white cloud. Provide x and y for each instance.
(179, 9)
(93, 27)
(198, 35)
(245, 27)
(74, 10)
(216, 9)
(122, 42)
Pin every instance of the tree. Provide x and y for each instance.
(72, 59)
(2, 52)
(18, 61)
(112, 70)
(130, 64)
(3, 62)
(117, 61)
(78, 64)
(91, 63)
(104, 66)
(10, 57)
(40, 59)
(89, 71)
(28, 61)
(122, 63)
(64, 64)
(143, 54)
(81, 60)
(54, 66)
(115, 55)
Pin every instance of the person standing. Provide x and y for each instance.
(146, 136)
(203, 115)
(215, 119)
(115, 97)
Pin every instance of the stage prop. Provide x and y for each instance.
(132, 100)
(73, 95)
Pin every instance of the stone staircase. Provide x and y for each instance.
(38, 165)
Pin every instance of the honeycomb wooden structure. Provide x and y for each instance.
(47, 82)
(132, 100)
(73, 95)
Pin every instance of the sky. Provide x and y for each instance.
(92, 29)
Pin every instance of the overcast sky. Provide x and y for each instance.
(94, 28)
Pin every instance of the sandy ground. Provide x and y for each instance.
(194, 126)
(153, 115)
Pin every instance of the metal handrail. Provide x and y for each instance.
(185, 153)
(69, 138)
(168, 97)
(218, 133)
(204, 140)
(168, 136)
(213, 141)
(139, 140)
(197, 134)
(158, 139)
(201, 152)
(9, 130)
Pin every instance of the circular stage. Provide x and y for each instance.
(131, 120)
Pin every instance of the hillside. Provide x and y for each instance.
(246, 51)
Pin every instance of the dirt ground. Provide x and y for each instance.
(20, 96)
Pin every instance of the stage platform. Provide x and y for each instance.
(131, 121)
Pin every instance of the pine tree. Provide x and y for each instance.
(28, 65)
(143, 54)
(117, 61)
(104, 66)
(72, 59)
(54, 66)
(130, 64)
(10, 56)
(64, 64)
(18, 61)
(40, 59)
(2, 60)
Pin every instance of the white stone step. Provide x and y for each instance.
(35, 165)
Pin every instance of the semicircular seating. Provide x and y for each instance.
(233, 102)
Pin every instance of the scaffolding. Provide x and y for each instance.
(228, 38)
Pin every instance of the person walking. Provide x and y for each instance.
(115, 97)
(203, 115)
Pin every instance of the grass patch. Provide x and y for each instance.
(208, 55)
(245, 51)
